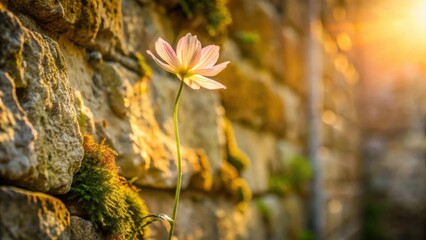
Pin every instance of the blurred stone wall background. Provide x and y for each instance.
(70, 68)
(394, 154)
(393, 147)
(392, 103)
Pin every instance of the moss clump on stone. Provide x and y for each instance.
(136, 208)
(234, 155)
(110, 202)
(215, 12)
(294, 178)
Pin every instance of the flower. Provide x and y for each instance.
(190, 62)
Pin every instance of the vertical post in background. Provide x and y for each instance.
(313, 65)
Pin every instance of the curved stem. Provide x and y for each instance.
(179, 159)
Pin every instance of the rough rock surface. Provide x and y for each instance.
(201, 217)
(11, 39)
(261, 150)
(31, 215)
(48, 101)
(77, 67)
(16, 136)
(200, 116)
(89, 23)
(82, 229)
(260, 39)
(123, 112)
(250, 97)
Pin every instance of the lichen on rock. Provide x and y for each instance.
(233, 184)
(234, 155)
(32, 215)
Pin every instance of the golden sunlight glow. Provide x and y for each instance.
(419, 14)
(395, 28)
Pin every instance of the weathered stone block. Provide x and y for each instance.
(261, 150)
(256, 27)
(11, 45)
(48, 101)
(200, 116)
(251, 97)
(295, 116)
(141, 33)
(17, 134)
(82, 229)
(145, 150)
(294, 60)
(201, 217)
(286, 151)
(32, 215)
(88, 23)
(273, 210)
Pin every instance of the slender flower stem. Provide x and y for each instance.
(179, 158)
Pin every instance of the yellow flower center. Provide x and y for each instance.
(183, 73)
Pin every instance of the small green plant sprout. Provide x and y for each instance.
(192, 64)
(109, 201)
(263, 208)
(152, 218)
(294, 178)
(247, 37)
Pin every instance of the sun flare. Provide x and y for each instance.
(396, 29)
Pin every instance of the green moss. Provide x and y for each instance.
(215, 12)
(247, 37)
(111, 203)
(300, 171)
(136, 208)
(297, 174)
(279, 184)
(264, 209)
(234, 155)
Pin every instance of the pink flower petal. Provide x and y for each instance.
(164, 66)
(191, 84)
(209, 56)
(166, 52)
(206, 83)
(213, 71)
(188, 50)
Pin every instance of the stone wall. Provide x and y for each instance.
(74, 68)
